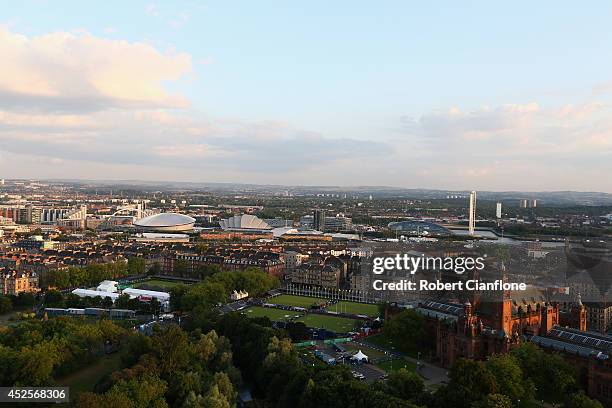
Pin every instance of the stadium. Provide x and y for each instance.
(166, 222)
(418, 227)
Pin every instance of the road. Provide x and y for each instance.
(430, 373)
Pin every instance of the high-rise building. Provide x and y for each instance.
(74, 218)
(337, 224)
(472, 221)
(498, 210)
(319, 220)
(528, 203)
(52, 215)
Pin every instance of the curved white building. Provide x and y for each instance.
(166, 222)
(245, 222)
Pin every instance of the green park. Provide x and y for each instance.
(270, 313)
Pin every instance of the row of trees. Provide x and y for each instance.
(407, 331)
(184, 269)
(35, 352)
(93, 274)
(217, 287)
(171, 368)
(24, 300)
(523, 374)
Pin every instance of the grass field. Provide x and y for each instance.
(86, 378)
(370, 352)
(355, 308)
(335, 324)
(396, 364)
(272, 314)
(156, 283)
(293, 300)
(383, 341)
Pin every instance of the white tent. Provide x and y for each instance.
(93, 293)
(107, 286)
(134, 293)
(359, 356)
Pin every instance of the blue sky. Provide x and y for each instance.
(496, 92)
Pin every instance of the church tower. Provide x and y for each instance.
(505, 316)
(578, 313)
(549, 315)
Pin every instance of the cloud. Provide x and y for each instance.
(70, 97)
(156, 138)
(520, 146)
(76, 105)
(68, 72)
(174, 19)
(520, 129)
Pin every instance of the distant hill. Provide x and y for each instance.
(548, 197)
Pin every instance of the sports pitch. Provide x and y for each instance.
(293, 300)
(270, 313)
(331, 323)
(354, 308)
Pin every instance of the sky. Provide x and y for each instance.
(471, 95)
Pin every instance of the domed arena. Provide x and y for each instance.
(166, 222)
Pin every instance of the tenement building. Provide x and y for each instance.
(15, 282)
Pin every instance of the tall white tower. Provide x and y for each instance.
(472, 222)
(498, 210)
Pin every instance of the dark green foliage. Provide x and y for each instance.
(407, 330)
(579, 400)
(552, 376)
(34, 352)
(93, 274)
(136, 266)
(173, 369)
(6, 305)
(469, 381)
(494, 401)
(217, 287)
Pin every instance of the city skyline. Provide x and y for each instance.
(413, 96)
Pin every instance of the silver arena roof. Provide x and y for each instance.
(244, 222)
(166, 222)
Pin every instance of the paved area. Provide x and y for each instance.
(369, 371)
(430, 373)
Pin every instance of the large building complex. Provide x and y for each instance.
(322, 223)
(166, 222)
(495, 322)
(244, 223)
(68, 217)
